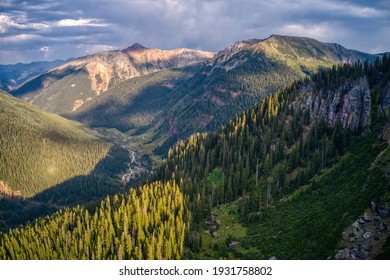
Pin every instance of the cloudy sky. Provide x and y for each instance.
(49, 29)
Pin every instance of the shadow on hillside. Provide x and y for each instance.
(86, 190)
(101, 181)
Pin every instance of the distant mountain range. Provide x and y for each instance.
(12, 76)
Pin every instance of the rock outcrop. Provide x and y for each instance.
(365, 237)
(385, 103)
(349, 104)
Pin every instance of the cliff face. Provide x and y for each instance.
(349, 104)
(385, 103)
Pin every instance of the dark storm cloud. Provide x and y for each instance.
(32, 30)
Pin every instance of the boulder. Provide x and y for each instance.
(367, 235)
(273, 258)
(357, 230)
(233, 245)
(344, 254)
(367, 217)
(383, 213)
(215, 234)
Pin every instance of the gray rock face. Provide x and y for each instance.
(349, 104)
(367, 235)
(367, 217)
(385, 104)
(357, 230)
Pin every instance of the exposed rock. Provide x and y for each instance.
(365, 240)
(206, 231)
(344, 254)
(273, 258)
(383, 212)
(349, 104)
(367, 235)
(215, 234)
(233, 245)
(367, 217)
(357, 230)
(385, 104)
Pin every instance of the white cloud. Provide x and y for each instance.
(319, 31)
(350, 9)
(91, 49)
(91, 22)
(18, 21)
(19, 38)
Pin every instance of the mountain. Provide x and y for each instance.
(158, 108)
(156, 113)
(12, 76)
(297, 177)
(40, 150)
(243, 74)
(290, 178)
(68, 87)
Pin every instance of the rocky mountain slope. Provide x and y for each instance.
(67, 87)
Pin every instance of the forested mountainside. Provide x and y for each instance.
(242, 75)
(39, 150)
(48, 162)
(284, 179)
(150, 222)
(68, 87)
(13, 75)
(294, 170)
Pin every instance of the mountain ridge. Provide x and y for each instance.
(78, 81)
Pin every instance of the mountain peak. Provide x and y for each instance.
(136, 47)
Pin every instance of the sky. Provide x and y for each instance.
(58, 29)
